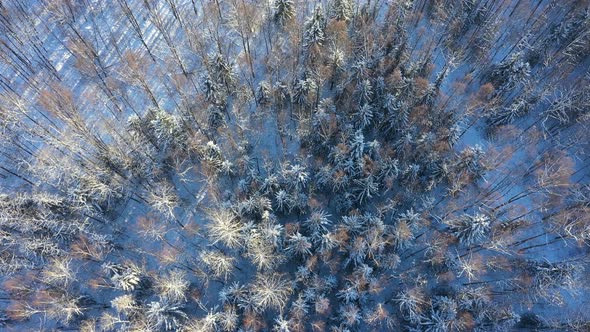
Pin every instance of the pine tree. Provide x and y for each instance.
(125, 304)
(225, 228)
(317, 223)
(341, 10)
(211, 89)
(165, 314)
(284, 10)
(65, 308)
(59, 272)
(263, 93)
(298, 245)
(364, 116)
(271, 291)
(514, 70)
(163, 198)
(357, 146)
(282, 325)
(261, 253)
(166, 128)
(229, 319)
(350, 314)
(314, 33)
(218, 263)
(222, 72)
(172, 285)
(304, 91)
(364, 92)
(411, 304)
(283, 201)
(125, 277)
(470, 229)
(366, 188)
(295, 176)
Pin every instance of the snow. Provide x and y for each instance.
(273, 136)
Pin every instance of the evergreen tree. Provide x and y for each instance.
(314, 30)
(284, 10)
(341, 10)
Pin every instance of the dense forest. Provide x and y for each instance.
(293, 165)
